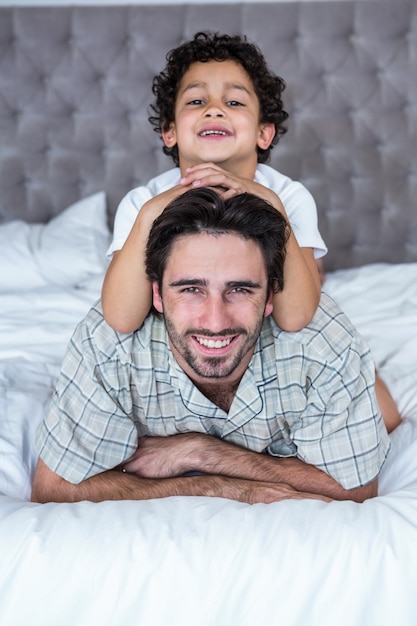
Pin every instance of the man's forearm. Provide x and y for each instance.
(243, 463)
(171, 456)
(109, 485)
(229, 471)
(117, 485)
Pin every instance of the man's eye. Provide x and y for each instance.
(240, 290)
(191, 290)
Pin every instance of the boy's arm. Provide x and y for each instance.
(296, 304)
(126, 293)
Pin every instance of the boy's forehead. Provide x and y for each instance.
(231, 71)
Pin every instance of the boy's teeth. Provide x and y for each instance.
(213, 132)
(211, 343)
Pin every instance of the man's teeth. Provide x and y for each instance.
(210, 343)
(213, 132)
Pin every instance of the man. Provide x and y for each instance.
(210, 397)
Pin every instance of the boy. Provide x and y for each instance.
(219, 112)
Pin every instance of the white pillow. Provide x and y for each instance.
(67, 250)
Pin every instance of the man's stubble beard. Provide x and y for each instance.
(212, 367)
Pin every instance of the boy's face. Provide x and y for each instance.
(217, 119)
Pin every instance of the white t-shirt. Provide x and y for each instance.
(297, 200)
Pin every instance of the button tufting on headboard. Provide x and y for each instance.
(75, 90)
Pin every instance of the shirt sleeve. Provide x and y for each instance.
(302, 214)
(353, 441)
(329, 416)
(86, 431)
(126, 214)
(134, 200)
(300, 207)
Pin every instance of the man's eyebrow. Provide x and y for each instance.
(182, 282)
(244, 283)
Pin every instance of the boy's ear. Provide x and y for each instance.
(157, 298)
(169, 136)
(266, 135)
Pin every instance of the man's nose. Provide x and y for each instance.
(216, 315)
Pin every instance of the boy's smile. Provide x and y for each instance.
(217, 119)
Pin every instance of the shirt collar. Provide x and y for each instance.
(248, 401)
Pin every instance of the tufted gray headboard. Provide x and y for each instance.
(75, 85)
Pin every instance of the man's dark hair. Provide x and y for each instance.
(206, 47)
(204, 211)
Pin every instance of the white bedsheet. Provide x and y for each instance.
(206, 561)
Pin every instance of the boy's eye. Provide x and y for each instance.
(199, 102)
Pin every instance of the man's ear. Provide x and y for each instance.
(169, 136)
(266, 135)
(157, 298)
(268, 305)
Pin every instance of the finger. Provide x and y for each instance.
(230, 193)
(303, 495)
(130, 466)
(218, 180)
(202, 174)
(203, 169)
(202, 166)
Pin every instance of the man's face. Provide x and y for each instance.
(214, 299)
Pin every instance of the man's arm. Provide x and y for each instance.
(118, 485)
(172, 456)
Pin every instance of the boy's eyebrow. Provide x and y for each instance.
(202, 84)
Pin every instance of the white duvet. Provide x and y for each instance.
(196, 561)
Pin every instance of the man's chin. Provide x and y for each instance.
(213, 368)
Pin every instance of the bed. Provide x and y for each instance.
(74, 91)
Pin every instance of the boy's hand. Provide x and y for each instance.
(154, 207)
(227, 184)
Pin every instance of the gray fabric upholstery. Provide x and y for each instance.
(75, 89)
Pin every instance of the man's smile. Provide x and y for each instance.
(211, 343)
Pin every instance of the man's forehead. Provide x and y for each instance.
(204, 242)
(223, 253)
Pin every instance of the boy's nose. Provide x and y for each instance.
(214, 110)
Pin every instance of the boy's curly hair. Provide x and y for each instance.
(205, 47)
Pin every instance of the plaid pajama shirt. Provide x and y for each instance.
(307, 394)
